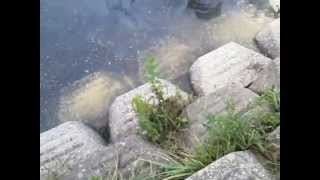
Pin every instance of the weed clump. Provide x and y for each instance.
(270, 97)
(228, 133)
(159, 121)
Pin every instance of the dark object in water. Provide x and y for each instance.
(206, 9)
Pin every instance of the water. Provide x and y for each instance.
(90, 45)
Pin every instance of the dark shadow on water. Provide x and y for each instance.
(206, 9)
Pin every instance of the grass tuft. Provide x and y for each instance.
(271, 97)
(159, 122)
(228, 133)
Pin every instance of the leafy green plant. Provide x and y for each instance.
(267, 121)
(271, 97)
(227, 133)
(159, 122)
(96, 178)
(52, 177)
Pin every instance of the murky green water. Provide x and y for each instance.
(94, 49)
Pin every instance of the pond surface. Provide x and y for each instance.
(90, 45)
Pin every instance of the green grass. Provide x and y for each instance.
(270, 97)
(228, 133)
(52, 177)
(144, 171)
(95, 178)
(159, 122)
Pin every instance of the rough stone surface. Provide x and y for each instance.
(274, 137)
(135, 148)
(255, 111)
(274, 146)
(122, 118)
(241, 165)
(126, 154)
(214, 103)
(73, 151)
(268, 39)
(277, 62)
(275, 4)
(98, 163)
(268, 77)
(64, 146)
(229, 63)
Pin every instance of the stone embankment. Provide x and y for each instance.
(73, 150)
